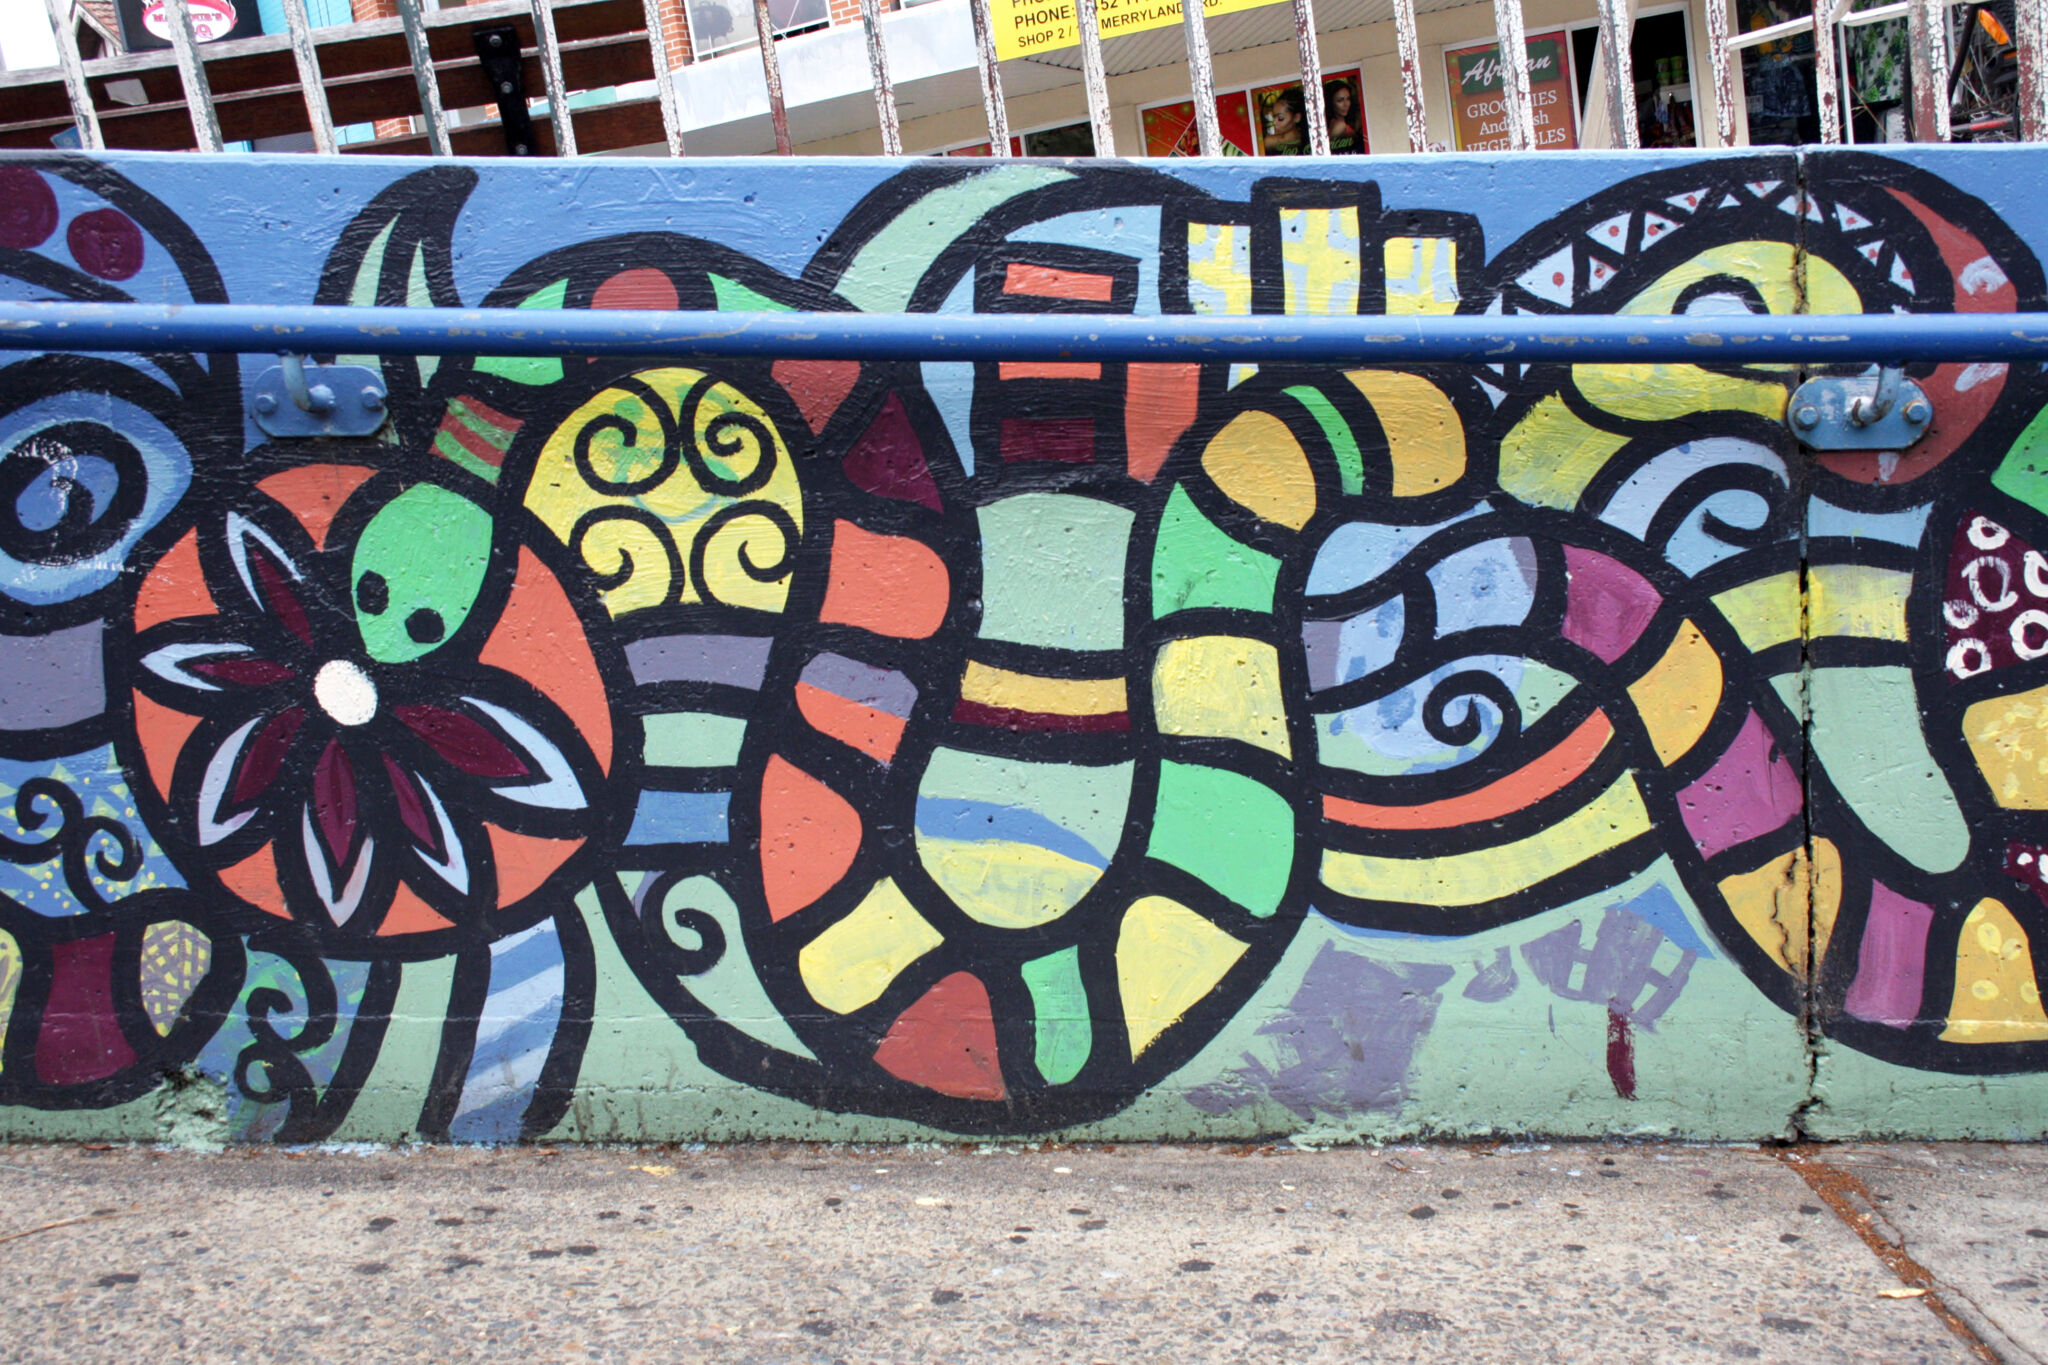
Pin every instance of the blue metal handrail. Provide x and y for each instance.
(1758, 338)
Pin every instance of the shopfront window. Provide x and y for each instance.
(1666, 108)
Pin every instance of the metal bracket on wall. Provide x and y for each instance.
(1858, 412)
(498, 49)
(294, 399)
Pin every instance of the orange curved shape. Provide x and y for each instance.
(411, 915)
(540, 639)
(175, 588)
(891, 585)
(254, 879)
(315, 493)
(809, 835)
(163, 733)
(524, 861)
(1503, 796)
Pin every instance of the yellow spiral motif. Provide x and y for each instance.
(674, 487)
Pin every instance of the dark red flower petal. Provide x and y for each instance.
(334, 800)
(245, 672)
(266, 754)
(412, 809)
(278, 596)
(462, 741)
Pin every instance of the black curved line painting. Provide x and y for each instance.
(829, 748)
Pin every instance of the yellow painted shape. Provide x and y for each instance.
(1259, 465)
(1788, 902)
(986, 685)
(2008, 736)
(1610, 819)
(1223, 687)
(1220, 268)
(852, 963)
(1998, 998)
(1167, 958)
(663, 522)
(1425, 437)
(1550, 456)
(1422, 275)
(1857, 599)
(1005, 884)
(1320, 260)
(1765, 611)
(1663, 393)
(1678, 696)
(10, 982)
(175, 957)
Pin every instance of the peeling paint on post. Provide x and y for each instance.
(1514, 74)
(771, 74)
(1415, 115)
(878, 76)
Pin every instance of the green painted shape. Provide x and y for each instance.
(388, 1109)
(1059, 1009)
(1337, 431)
(1866, 735)
(1232, 832)
(693, 739)
(418, 295)
(886, 272)
(529, 369)
(428, 548)
(1089, 802)
(2023, 473)
(1052, 571)
(729, 987)
(734, 297)
(1195, 563)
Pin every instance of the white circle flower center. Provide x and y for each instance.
(345, 692)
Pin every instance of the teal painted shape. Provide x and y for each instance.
(2023, 473)
(886, 272)
(417, 569)
(1053, 571)
(729, 988)
(1059, 1007)
(1866, 736)
(1196, 564)
(1232, 832)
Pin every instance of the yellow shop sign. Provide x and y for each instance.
(1025, 28)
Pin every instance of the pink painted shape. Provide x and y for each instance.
(1750, 790)
(1891, 965)
(1607, 605)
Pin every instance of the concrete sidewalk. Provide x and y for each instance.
(1579, 1253)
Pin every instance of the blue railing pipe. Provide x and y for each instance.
(65, 325)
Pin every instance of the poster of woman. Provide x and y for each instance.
(1283, 120)
(1346, 120)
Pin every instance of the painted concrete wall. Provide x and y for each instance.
(834, 750)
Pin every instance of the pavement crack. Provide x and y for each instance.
(1850, 1200)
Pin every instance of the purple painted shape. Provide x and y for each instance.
(51, 680)
(1750, 790)
(1608, 604)
(735, 660)
(1891, 966)
(883, 689)
(80, 1040)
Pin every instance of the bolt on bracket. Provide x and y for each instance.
(293, 400)
(1857, 412)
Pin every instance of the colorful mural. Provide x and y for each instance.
(827, 748)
